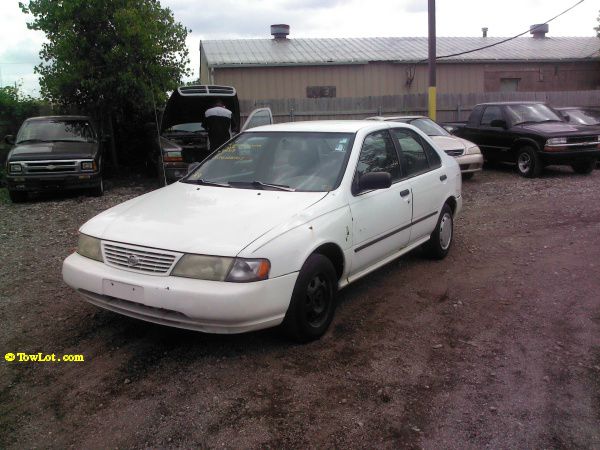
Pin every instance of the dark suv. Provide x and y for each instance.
(54, 153)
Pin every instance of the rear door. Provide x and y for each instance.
(258, 117)
(427, 177)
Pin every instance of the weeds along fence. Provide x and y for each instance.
(450, 107)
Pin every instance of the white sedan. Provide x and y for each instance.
(467, 154)
(268, 228)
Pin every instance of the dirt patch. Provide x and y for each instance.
(498, 345)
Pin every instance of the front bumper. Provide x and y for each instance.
(470, 163)
(208, 306)
(569, 157)
(36, 183)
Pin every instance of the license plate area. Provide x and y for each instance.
(123, 291)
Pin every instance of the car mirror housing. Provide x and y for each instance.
(498, 123)
(374, 180)
(9, 139)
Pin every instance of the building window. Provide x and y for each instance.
(320, 91)
(509, 84)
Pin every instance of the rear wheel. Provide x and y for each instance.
(17, 196)
(584, 167)
(438, 245)
(313, 300)
(529, 164)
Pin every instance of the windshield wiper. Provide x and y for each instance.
(206, 182)
(281, 187)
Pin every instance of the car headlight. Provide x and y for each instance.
(15, 168)
(88, 165)
(218, 268)
(556, 141)
(202, 267)
(89, 247)
(473, 150)
(172, 156)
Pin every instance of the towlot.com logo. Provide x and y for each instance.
(41, 357)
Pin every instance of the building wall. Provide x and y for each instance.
(383, 78)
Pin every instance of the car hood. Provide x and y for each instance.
(53, 151)
(451, 142)
(199, 219)
(555, 128)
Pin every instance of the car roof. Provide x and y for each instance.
(326, 126)
(60, 118)
(392, 118)
(530, 102)
(582, 108)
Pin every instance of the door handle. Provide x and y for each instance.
(443, 177)
(404, 193)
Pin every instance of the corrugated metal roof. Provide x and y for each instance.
(400, 49)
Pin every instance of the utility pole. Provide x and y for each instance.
(431, 54)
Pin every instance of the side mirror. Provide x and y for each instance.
(193, 166)
(567, 117)
(374, 180)
(498, 123)
(9, 139)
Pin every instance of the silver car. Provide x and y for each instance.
(467, 154)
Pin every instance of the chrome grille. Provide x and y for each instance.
(139, 259)
(457, 152)
(51, 166)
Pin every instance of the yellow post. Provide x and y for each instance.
(432, 103)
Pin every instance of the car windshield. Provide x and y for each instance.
(299, 161)
(192, 127)
(584, 116)
(56, 130)
(532, 113)
(429, 127)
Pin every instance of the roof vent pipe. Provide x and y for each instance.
(280, 31)
(484, 31)
(539, 30)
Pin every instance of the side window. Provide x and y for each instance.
(491, 113)
(434, 159)
(412, 154)
(378, 155)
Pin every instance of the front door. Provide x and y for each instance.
(381, 218)
(258, 117)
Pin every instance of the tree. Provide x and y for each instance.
(114, 59)
(598, 27)
(15, 108)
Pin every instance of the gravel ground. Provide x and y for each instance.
(496, 346)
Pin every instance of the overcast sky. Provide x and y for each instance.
(240, 19)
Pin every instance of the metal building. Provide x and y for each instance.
(286, 68)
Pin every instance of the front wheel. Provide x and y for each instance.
(313, 300)
(17, 196)
(438, 245)
(584, 167)
(529, 164)
(98, 191)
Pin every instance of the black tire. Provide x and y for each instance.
(528, 161)
(313, 300)
(439, 243)
(17, 196)
(584, 167)
(98, 191)
(468, 175)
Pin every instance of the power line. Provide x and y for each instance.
(507, 39)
